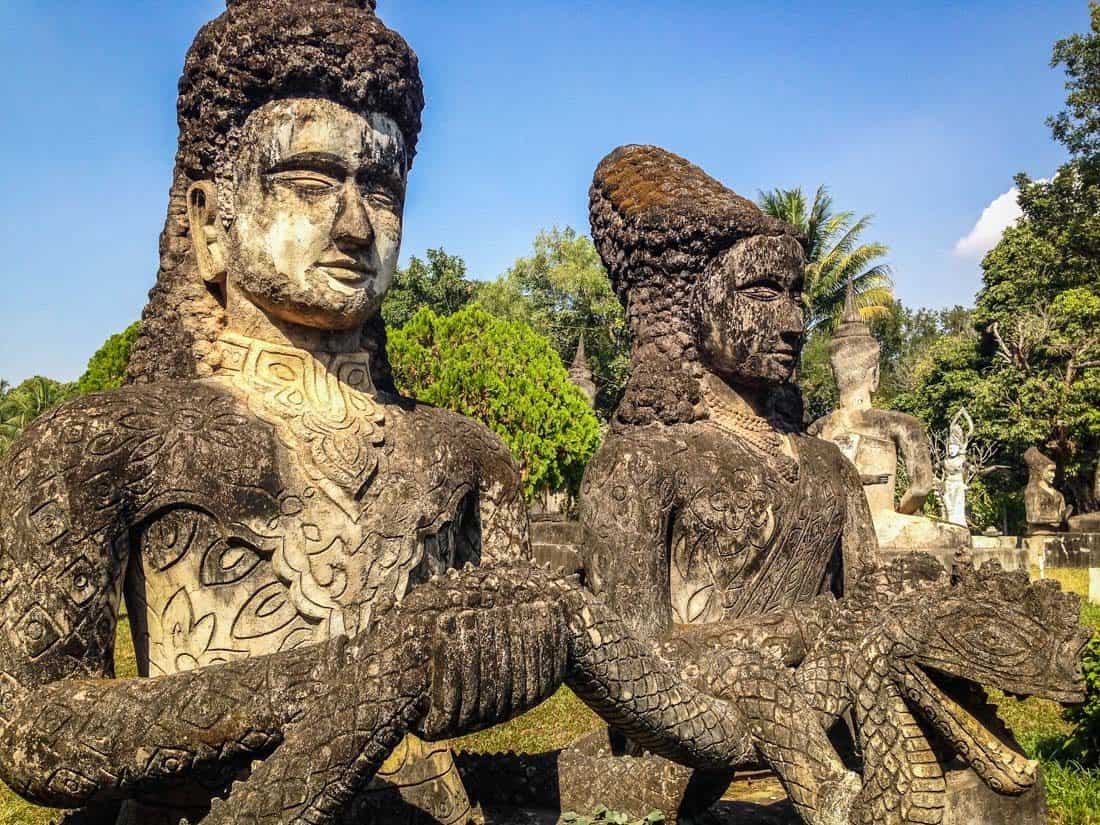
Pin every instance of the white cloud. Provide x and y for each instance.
(996, 218)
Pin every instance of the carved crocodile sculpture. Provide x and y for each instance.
(309, 728)
(909, 654)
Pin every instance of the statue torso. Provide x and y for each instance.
(864, 437)
(362, 500)
(265, 508)
(733, 531)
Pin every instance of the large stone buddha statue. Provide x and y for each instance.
(873, 440)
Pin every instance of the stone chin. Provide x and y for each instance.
(757, 370)
(328, 303)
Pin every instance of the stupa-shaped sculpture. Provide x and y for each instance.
(1046, 508)
(874, 439)
(581, 374)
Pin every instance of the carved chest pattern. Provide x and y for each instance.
(748, 540)
(348, 521)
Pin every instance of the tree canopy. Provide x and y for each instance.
(20, 405)
(439, 283)
(507, 376)
(106, 369)
(562, 291)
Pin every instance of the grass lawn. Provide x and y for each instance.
(1073, 792)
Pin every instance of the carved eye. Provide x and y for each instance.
(990, 639)
(308, 181)
(382, 198)
(762, 291)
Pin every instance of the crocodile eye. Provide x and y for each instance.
(988, 639)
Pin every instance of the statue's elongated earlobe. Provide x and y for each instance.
(207, 234)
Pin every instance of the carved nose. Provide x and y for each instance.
(353, 226)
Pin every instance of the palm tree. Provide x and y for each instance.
(21, 405)
(834, 255)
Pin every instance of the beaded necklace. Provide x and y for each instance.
(757, 432)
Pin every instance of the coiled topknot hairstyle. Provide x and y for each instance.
(258, 51)
(657, 220)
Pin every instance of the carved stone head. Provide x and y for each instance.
(854, 352)
(298, 126)
(710, 283)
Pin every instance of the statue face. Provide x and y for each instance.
(317, 200)
(749, 313)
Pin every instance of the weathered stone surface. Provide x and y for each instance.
(286, 529)
(1047, 510)
(557, 542)
(973, 803)
(872, 440)
(718, 530)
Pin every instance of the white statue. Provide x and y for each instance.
(955, 467)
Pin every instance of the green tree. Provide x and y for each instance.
(22, 404)
(834, 254)
(562, 291)
(439, 283)
(107, 368)
(507, 376)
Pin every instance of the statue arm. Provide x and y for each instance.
(71, 735)
(625, 518)
(859, 544)
(502, 508)
(785, 634)
(916, 452)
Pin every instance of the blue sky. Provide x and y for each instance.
(917, 111)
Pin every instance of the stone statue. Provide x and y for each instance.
(706, 503)
(1046, 508)
(706, 500)
(955, 467)
(581, 374)
(286, 530)
(1088, 522)
(715, 526)
(872, 440)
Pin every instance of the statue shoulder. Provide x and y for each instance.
(450, 438)
(115, 439)
(637, 454)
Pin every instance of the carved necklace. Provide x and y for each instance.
(757, 432)
(324, 403)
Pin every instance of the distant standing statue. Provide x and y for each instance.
(1047, 510)
(871, 439)
(955, 466)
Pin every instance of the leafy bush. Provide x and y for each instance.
(107, 368)
(602, 814)
(507, 376)
(1084, 742)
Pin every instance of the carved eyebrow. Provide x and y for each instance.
(319, 161)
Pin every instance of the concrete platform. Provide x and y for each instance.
(1009, 556)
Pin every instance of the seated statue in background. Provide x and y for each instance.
(1045, 507)
(313, 565)
(872, 440)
